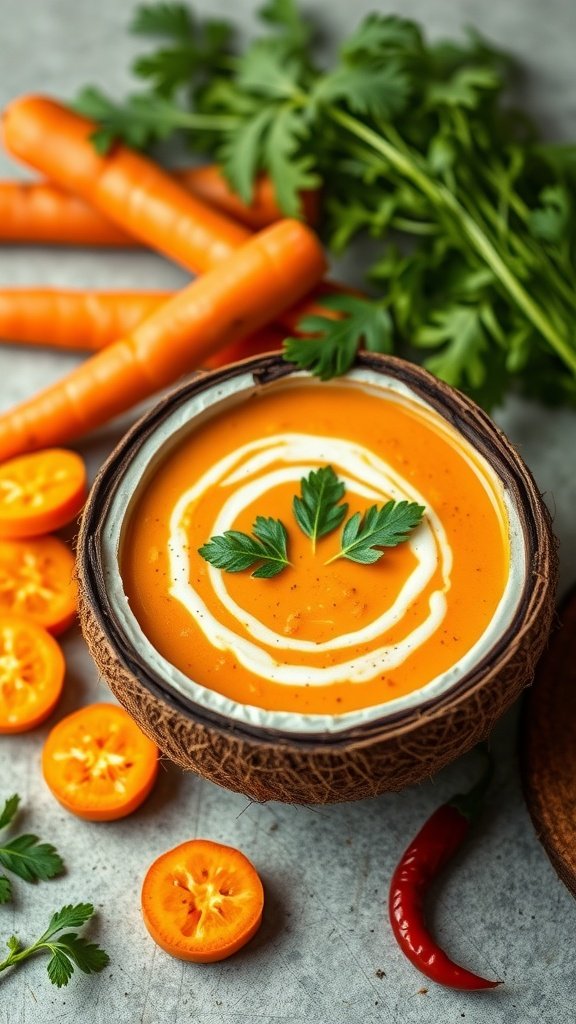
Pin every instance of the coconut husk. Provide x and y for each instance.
(548, 746)
(379, 756)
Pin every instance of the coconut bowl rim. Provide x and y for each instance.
(456, 409)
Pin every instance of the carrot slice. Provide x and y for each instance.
(37, 581)
(40, 492)
(98, 764)
(31, 674)
(202, 901)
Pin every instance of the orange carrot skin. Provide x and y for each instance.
(269, 273)
(88, 321)
(39, 212)
(125, 186)
(209, 183)
(76, 320)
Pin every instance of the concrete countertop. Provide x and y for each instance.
(325, 954)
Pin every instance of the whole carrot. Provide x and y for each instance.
(86, 321)
(40, 211)
(44, 213)
(125, 186)
(268, 273)
(73, 319)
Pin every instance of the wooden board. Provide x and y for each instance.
(548, 746)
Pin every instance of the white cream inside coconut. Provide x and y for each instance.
(366, 474)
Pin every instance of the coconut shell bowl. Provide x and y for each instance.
(315, 759)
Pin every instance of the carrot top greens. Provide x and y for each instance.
(412, 142)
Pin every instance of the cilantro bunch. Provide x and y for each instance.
(411, 142)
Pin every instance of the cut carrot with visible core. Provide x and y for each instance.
(202, 901)
(40, 492)
(98, 764)
(37, 581)
(31, 674)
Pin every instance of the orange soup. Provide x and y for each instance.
(318, 639)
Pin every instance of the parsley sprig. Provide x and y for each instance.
(235, 551)
(318, 512)
(67, 951)
(404, 135)
(316, 509)
(366, 533)
(25, 855)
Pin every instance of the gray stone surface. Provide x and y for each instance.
(325, 941)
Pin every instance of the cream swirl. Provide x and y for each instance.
(364, 474)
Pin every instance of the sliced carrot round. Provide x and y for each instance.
(31, 674)
(99, 764)
(37, 581)
(202, 901)
(40, 492)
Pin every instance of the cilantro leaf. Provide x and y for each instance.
(290, 173)
(9, 810)
(386, 526)
(69, 916)
(60, 968)
(316, 510)
(549, 222)
(172, 20)
(30, 859)
(333, 352)
(66, 951)
(88, 956)
(370, 90)
(285, 16)
(235, 551)
(240, 154)
(460, 334)
(467, 87)
(380, 35)
(5, 889)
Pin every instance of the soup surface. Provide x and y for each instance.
(317, 639)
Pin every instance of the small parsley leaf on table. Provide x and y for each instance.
(67, 951)
(25, 856)
(316, 510)
(332, 353)
(387, 526)
(235, 551)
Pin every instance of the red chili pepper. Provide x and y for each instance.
(436, 842)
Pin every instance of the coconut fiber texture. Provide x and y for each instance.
(379, 756)
(548, 747)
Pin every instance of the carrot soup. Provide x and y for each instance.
(327, 641)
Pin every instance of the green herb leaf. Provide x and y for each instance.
(30, 859)
(386, 526)
(9, 810)
(70, 916)
(87, 956)
(60, 968)
(285, 16)
(234, 551)
(172, 20)
(333, 352)
(66, 951)
(368, 90)
(317, 511)
(5, 889)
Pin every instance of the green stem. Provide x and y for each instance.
(442, 197)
